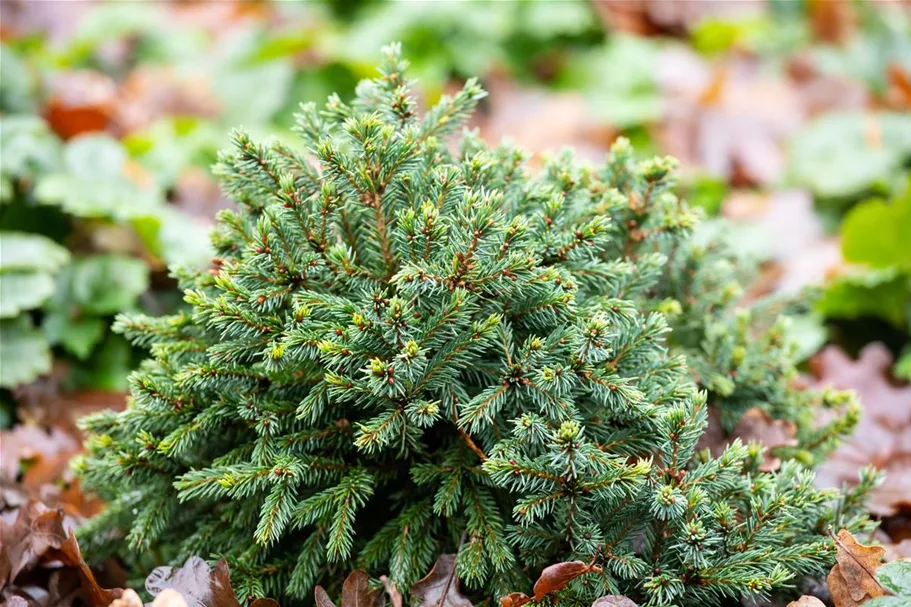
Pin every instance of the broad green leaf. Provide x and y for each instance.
(78, 336)
(101, 285)
(27, 147)
(888, 601)
(878, 232)
(183, 241)
(879, 293)
(24, 353)
(19, 85)
(22, 251)
(620, 81)
(896, 576)
(23, 291)
(108, 366)
(234, 86)
(808, 332)
(94, 156)
(93, 183)
(844, 155)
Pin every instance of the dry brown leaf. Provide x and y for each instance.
(882, 438)
(395, 597)
(356, 591)
(555, 577)
(614, 600)
(832, 21)
(198, 584)
(852, 580)
(28, 446)
(541, 121)
(514, 599)
(807, 601)
(440, 587)
(38, 540)
(728, 119)
(80, 101)
(899, 85)
(653, 17)
(150, 92)
(757, 425)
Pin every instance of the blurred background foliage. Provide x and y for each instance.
(792, 120)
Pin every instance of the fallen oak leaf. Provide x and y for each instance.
(24, 542)
(852, 580)
(70, 555)
(882, 437)
(440, 587)
(38, 538)
(355, 593)
(199, 585)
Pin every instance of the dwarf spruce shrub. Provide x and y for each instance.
(412, 344)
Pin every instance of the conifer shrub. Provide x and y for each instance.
(412, 344)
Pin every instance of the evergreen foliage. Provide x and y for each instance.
(406, 348)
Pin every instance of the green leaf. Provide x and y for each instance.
(888, 601)
(23, 291)
(234, 85)
(108, 366)
(808, 332)
(101, 285)
(896, 576)
(28, 147)
(19, 85)
(620, 81)
(879, 293)
(24, 353)
(78, 336)
(837, 157)
(93, 183)
(878, 233)
(22, 251)
(182, 240)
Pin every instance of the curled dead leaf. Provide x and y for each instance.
(556, 577)
(198, 585)
(552, 579)
(514, 599)
(38, 539)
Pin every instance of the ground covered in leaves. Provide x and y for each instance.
(792, 121)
